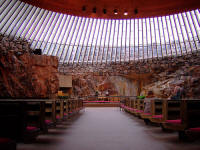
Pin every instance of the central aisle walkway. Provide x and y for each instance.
(107, 129)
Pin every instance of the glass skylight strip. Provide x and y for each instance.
(87, 40)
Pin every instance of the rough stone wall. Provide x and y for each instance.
(89, 84)
(25, 75)
(157, 75)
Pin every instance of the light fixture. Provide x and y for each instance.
(94, 10)
(125, 13)
(136, 11)
(104, 11)
(84, 8)
(115, 11)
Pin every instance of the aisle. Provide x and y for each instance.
(107, 129)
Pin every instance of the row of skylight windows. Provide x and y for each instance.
(88, 40)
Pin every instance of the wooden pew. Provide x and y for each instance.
(59, 110)
(162, 110)
(30, 117)
(157, 111)
(65, 109)
(50, 113)
(189, 119)
(139, 107)
(12, 116)
(24, 119)
(127, 104)
(146, 115)
(7, 144)
(36, 115)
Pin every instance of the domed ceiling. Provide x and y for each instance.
(105, 33)
(117, 9)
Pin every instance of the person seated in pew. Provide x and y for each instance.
(178, 92)
(147, 104)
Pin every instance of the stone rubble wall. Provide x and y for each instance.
(89, 84)
(25, 75)
(157, 75)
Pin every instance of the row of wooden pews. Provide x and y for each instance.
(182, 116)
(24, 119)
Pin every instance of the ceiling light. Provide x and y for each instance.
(115, 11)
(84, 8)
(94, 10)
(125, 13)
(136, 11)
(104, 11)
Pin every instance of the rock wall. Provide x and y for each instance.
(89, 84)
(25, 75)
(157, 75)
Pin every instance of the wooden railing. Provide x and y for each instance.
(182, 116)
(19, 116)
(106, 99)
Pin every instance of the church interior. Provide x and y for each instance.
(99, 75)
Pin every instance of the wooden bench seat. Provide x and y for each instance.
(157, 111)
(7, 144)
(189, 118)
(146, 115)
(25, 119)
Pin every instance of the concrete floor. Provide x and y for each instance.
(107, 128)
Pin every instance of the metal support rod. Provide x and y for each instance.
(177, 34)
(142, 39)
(181, 29)
(113, 39)
(138, 40)
(18, 19)
(83, 27)
(88, 40)
(191, 29)
(104, 42)
(47, 20)
(134, 38)
(129, 42)
(155, 38)
(164, 37)
(184, 21)
(75, 43)
(55, 31)
(68, 31)
(173, 34)
(158, 23)
(109, 40)
(100, 43)
(58, 36)
(94, 52)
(64, 28)
(80, 54)
(34, 22)
(125, 42)
(70, 39)
(39, 28)
(167, 27)
(151, 37)
(196, 27)
(50, 31)
(121, 41)
(8, 15)
(147, 39)
(2, 3)
(6, 12)
(14, 17)
(26, 21)
(39, 19)
(117, 43)
(89, 53)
